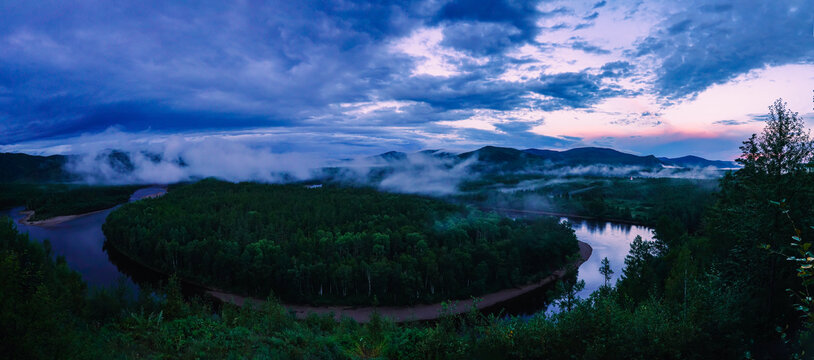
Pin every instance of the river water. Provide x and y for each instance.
(81, 242)
(611, 240)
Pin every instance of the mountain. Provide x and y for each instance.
(695, 161)
(391, 156)
(503, 159)
(24, 168)
(594, 155)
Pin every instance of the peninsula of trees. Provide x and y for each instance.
(335, 245)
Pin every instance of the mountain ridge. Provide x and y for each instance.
(20, 167)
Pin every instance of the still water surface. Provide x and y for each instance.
(81, 242)
(611, 240)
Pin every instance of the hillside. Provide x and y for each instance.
(22, 168)
(690, 161)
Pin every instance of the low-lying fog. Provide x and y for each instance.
(178, 159)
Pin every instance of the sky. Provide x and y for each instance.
(345, 78)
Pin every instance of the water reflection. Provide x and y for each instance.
(611, 240)
(608, 239)
(81, 242)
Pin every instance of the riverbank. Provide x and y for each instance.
(411, 313)
(56, 220)
(146, 193)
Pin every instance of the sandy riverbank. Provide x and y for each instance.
(411, 313)
(54, 220)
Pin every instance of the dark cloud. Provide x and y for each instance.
(481, 38)
(584, 25)
(68, 68)
(559, 26)
(519, 14)
(575, 90)
(730, 122)
(588, 48)
(646, 118)
(564, 90)
(68, 64)
(560, 11)
(759, 117)
(616, 69)
(515, 127)
(706, 44)
(85, 66)
(461, 93)
(716, 7)
(679, 27)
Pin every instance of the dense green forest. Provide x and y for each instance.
(50, 200)
(24, 168)
(738, 287)
(639, 200)
(335, 244)
(47, 313)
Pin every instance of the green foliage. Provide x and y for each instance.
(78, 200)
(568, 289)
(744, 219)
(784, 146)
(24, 168)
(50, 200)
(641, 200)
(40, 300)
(606, 271)
(803, 257)
(335, 245)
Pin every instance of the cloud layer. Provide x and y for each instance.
(411, 74)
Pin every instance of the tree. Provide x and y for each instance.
(744, 217)
(568, 293)
(605, 270)
(783, 147)
(638, 276)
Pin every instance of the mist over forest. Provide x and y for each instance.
(432, 172)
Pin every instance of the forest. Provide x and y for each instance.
(739, 286)
(50, 200)
(332, 245)
(640, 200)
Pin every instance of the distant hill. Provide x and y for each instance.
(24, 168)
(391, 156)
(596, 155)
(505, 159)
(510, 159)
(695, 161)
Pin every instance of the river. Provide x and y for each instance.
(81, 242)
(608, 239)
